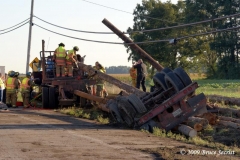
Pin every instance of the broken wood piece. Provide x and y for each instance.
(187, 130)
(229, 119)
(212, 118)
(229, 124)
(235, 112)
(197, 123)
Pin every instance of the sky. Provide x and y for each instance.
(74, 14)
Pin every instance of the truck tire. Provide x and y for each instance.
(45, 99)
(166, 70)
(186, 80)
(172, 80)
(159, 81)
(137, 103)
(112, 105)
(52, 97)
(126, 110)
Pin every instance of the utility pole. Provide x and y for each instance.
(29, 37)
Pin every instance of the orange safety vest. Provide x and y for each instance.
(133, 73)
(24, 85)
(60, 54)
(68, 59)
(10, 86)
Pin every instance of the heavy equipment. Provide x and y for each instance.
(172, 102)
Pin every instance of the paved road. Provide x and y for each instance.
(45, 134)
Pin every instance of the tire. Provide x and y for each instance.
(159, 81)
(172, 80)
(186, 80)
(52, 97)
(114, 111)
(127, 111)
(45, 99)
(166, 70)
(137, 103)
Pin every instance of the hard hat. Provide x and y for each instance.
(11, 73)
(28, 74)
(61, 44)
(76, 48)
(16, 74)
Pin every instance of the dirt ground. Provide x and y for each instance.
(45, 134)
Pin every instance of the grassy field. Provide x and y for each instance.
(228, 88)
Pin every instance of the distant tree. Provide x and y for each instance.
(117, 69)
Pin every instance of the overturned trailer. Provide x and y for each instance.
(172, 102)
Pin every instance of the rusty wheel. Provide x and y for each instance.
(186, 80)
(137, 103)
(172, 80)
(159, 81)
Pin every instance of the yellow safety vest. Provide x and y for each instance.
(2, 85)
(10, 86)
(70, 52)
(60, 54)
(151, 82)
(24, 85)
(133, 73)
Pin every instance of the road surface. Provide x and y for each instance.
(45, 134)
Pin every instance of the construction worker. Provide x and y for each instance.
(12, 85)
(141, 74)
(2, 88)
(133, 74)
(152, 86)
(100, 91)
(60, 60)
(26, 84)
(71, 60)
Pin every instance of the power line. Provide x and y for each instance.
(14, 25)
(126, 11)
(14, 28)
(101, 41)
(150, 30)
(200, 34)
(74, 29)
(146, 42)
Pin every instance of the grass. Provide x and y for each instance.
(93, 114)
(198, 140)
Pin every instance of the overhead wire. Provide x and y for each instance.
(142, 31)
(14, 28)
(155, 41)
(126, 11)
(100, 41)
(14, 25)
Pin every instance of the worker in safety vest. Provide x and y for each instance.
(12, 85)
(26, 84)
(133, 74)
(100, 91)
(2, 88)
(60, 60)
(71, 60)
(152, 86)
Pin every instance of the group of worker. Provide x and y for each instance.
(64, 60)
(13, 85)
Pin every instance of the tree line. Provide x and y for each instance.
(117, 69)
(216, 54)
